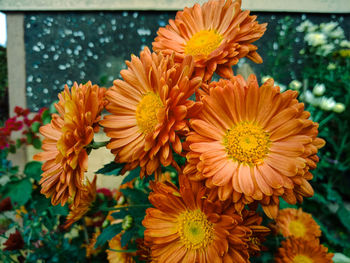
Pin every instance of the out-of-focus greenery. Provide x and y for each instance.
(323, 81)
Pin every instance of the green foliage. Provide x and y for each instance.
(111, 168)
(33, 170)
(19, 191)
(330, 205)
(108, 233)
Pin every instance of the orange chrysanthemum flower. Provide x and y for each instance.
(253, 221)
(216, 34)
(90, 247)
(117, 256)
(149, 110)
(186, 225)
(143, 252)
(253, 144)
(295, 222)
(299, 250)
(87, 198)
(66, 137)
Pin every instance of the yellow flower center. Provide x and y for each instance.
(302, 259)
(247, 143)
(147, 110)
(297, 228)
(195, 230)
(203, 43)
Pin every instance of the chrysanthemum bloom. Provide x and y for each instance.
(299, 250)
(216, 34)
(295, 222)
(66, 137)
(87, 198)
(117, 256)
(187, 226)
(149, 110)
(252, 143)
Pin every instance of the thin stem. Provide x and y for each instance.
(125, 207)
(96, 145)
(86, 236)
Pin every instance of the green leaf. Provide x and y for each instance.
(59, 210)
(20, 191)
(37, 143)
(136, 196)
(344, 216)
(111, 168)
(126, 237)
(46, 117)
(33, 170)
(107, 234)
(52, 108)
(35, 126)
(29, 138)
(131, 175)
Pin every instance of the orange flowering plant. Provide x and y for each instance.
(206, 164)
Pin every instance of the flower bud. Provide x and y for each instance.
(127, 222)
(319, 89)
(339, 107)
(295, 85)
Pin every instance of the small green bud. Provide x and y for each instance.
(127, 222)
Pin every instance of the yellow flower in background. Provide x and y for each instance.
(253, 143)
(217, 34)
(299, 250)
(66, 137)
(297, 223)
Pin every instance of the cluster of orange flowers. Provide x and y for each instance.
(244, 144)
(302, 244)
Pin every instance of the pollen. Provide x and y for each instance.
(203, 43)
(297, 228)
(302, 259)
(247, 143)
(195, 230)
(146, 112)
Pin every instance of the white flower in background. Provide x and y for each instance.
(327, 104)
(306, 26)
(345, 43)
(327, 28)
(339, 107)
(308, 97)
(331, 66)
(338, 33)
(265, 78)
(316, 39)
(282, 86)
(295, 84)
(319, 89)
(325, 50)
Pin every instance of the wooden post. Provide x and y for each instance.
(16, 74)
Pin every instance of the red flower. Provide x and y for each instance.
(14, 242)
(5, 204)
